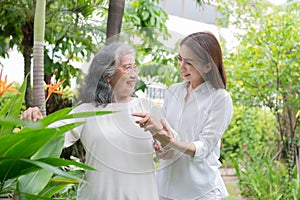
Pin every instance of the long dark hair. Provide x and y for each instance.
(208, 50)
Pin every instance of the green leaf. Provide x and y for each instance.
(24, 145)
(57, 183)
(51, 164)
(12, 109)
(52, 188)
(64, 114)
(62, 162)
(145, 15)
(14, 122)
(35, 182)
(53, 148)
(55, 116)
(14, 167)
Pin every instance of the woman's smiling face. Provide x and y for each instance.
(187, 62)
(124, 79)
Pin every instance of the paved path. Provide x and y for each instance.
(228, 175)
(231, 181)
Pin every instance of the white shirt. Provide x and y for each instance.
(202, 120)
(119, 151)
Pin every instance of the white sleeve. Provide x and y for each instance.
(217, 122)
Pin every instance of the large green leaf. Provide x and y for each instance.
(52, 188)
(35, 182)
(15, 122)
(57, 162)
(58, 115)
(15, 167)
(57, 183)
(64, 114)
(25, 143)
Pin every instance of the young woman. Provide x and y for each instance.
(197, 112)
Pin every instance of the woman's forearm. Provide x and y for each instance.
(187, 148)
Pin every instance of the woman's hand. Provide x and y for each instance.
(32, 113)
(147, 122)
(164, 135)
(166, 154)
(159, 130)
(161, 152)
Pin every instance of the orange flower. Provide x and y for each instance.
(4, 88)
(52, 88)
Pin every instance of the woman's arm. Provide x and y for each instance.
(216, 123)
(162, 132)
(32, 114)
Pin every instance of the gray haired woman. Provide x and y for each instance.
(115, 146)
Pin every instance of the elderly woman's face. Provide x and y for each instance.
(124, 79)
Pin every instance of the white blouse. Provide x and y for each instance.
(202, 120)
(119, 150)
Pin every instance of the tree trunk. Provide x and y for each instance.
(38, 56)
(114, 21)
(27, 43)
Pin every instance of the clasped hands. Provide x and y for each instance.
(159, 130)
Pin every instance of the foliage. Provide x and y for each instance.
(251, 131)
(75, 29)
(69, 31)
(30, 152)
(264, 70)
(261, 178)
(5, 98)
(145, 24)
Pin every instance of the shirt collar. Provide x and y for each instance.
(202, 88)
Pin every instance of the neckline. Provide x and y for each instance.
(122, 103)
(202, 87)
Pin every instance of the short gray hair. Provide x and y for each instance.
(95, 87)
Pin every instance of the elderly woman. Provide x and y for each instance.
(115, 146)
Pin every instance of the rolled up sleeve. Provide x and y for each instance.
(215, 125)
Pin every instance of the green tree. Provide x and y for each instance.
(264, 71)
(74, 30)
(70, 35)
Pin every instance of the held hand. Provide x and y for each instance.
(164, 135)
(32, 113)
(160, 131)
(148, 123)
(165, 155)
(161, 152)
